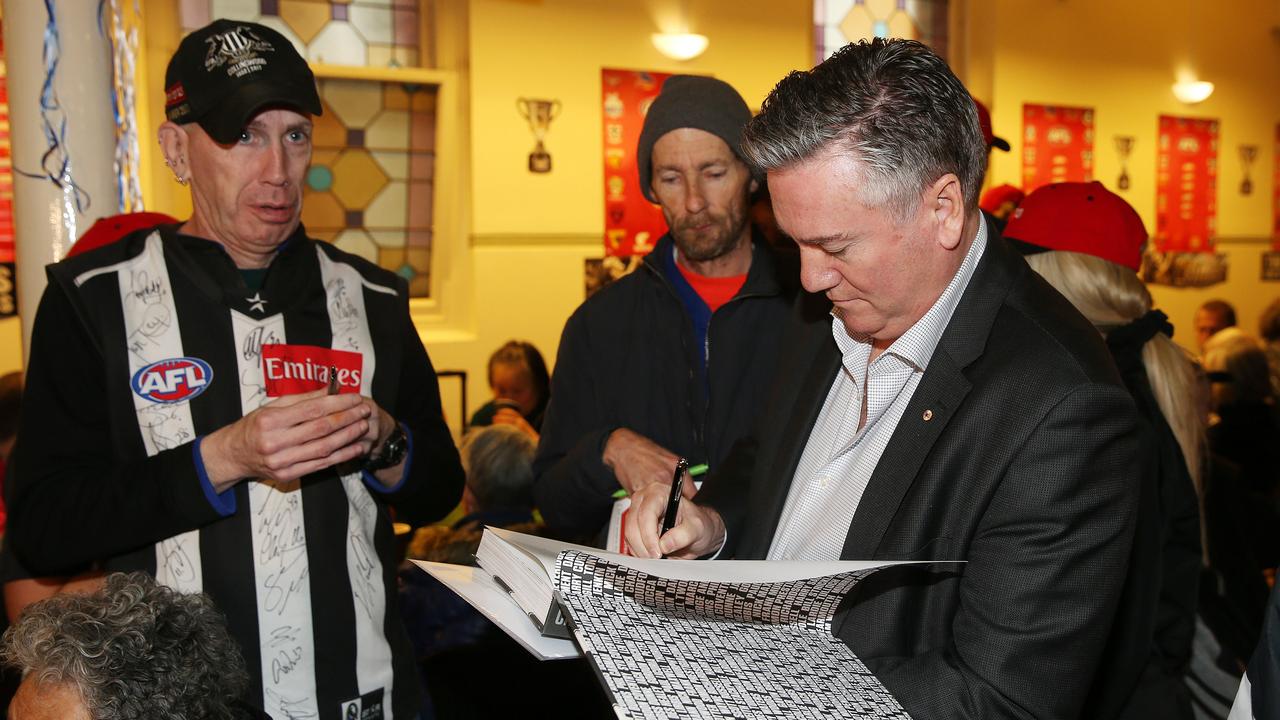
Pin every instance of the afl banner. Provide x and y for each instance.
(1057, 145)
(1186, 184)
(632, 224)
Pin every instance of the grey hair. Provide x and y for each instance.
(894, 105)
(133, 649)
(499, 463)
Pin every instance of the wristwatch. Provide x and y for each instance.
(391, 453)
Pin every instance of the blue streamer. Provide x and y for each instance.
(55, 162)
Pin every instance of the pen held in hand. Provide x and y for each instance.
(673, 502)
(333, 379)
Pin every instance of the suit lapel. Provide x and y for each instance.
(815, 365)
(937, 398)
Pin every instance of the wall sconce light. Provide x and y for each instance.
(1192, 91)
(1188, 88)
(680, 46)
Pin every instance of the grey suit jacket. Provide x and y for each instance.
(1021, 453)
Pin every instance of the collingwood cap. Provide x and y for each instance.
(227, 71)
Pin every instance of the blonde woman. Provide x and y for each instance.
(1087, 242)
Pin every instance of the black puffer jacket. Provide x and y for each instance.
(627, 360)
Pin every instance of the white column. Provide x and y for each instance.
(46, 219)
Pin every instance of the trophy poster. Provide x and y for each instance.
(1057, 145)
(1186, 184)
(632, 224)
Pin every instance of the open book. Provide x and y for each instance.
(688, 638)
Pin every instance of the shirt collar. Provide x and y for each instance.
(917, 344)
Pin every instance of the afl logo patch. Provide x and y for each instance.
(173, 380)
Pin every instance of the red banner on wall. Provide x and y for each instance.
(1275, 196)
(1186, 184)
(8, 288)
(1057, 145)
(632, 224)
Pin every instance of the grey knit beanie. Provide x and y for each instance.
(692, 101)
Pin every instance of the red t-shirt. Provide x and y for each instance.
(714, 291)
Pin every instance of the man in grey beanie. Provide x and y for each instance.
(673, 360)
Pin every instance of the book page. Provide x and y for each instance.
(547, 551)
(479, 589)
(696, 648)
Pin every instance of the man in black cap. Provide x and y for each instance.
(672, 360)
(231, 406)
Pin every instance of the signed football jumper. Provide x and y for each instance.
(144, 347)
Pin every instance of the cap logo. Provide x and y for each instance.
(174, 95)
(238, 49)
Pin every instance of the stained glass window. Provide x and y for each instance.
(839, 22)
(372, 33)
(370, 185)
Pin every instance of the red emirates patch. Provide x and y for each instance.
(174, 94)
(293, 369)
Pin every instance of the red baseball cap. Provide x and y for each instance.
(984, 119)
(994, 197)
(110, 229)
(1079, 217)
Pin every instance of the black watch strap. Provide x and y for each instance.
(391, 453)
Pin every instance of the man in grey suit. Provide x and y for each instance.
(951, 406)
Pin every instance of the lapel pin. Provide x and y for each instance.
(928, 415)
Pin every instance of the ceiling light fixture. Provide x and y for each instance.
(680, 46)
(1189, 88)
(1192, 91)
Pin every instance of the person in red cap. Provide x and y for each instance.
(1000, 201)
(996, 203)
(235, 407)
(984, 121)
(107, 230)
(1087, 242)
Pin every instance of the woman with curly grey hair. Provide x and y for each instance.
(131, 650)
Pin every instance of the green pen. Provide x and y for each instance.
(695, 471)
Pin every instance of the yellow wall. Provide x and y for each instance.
(1120, 58)
(10, 344)
(524, 236)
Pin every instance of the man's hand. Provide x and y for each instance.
(291, 437)
(638, 461)
(698, 531)
(509, 416)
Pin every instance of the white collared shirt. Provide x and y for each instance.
(838, 458)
